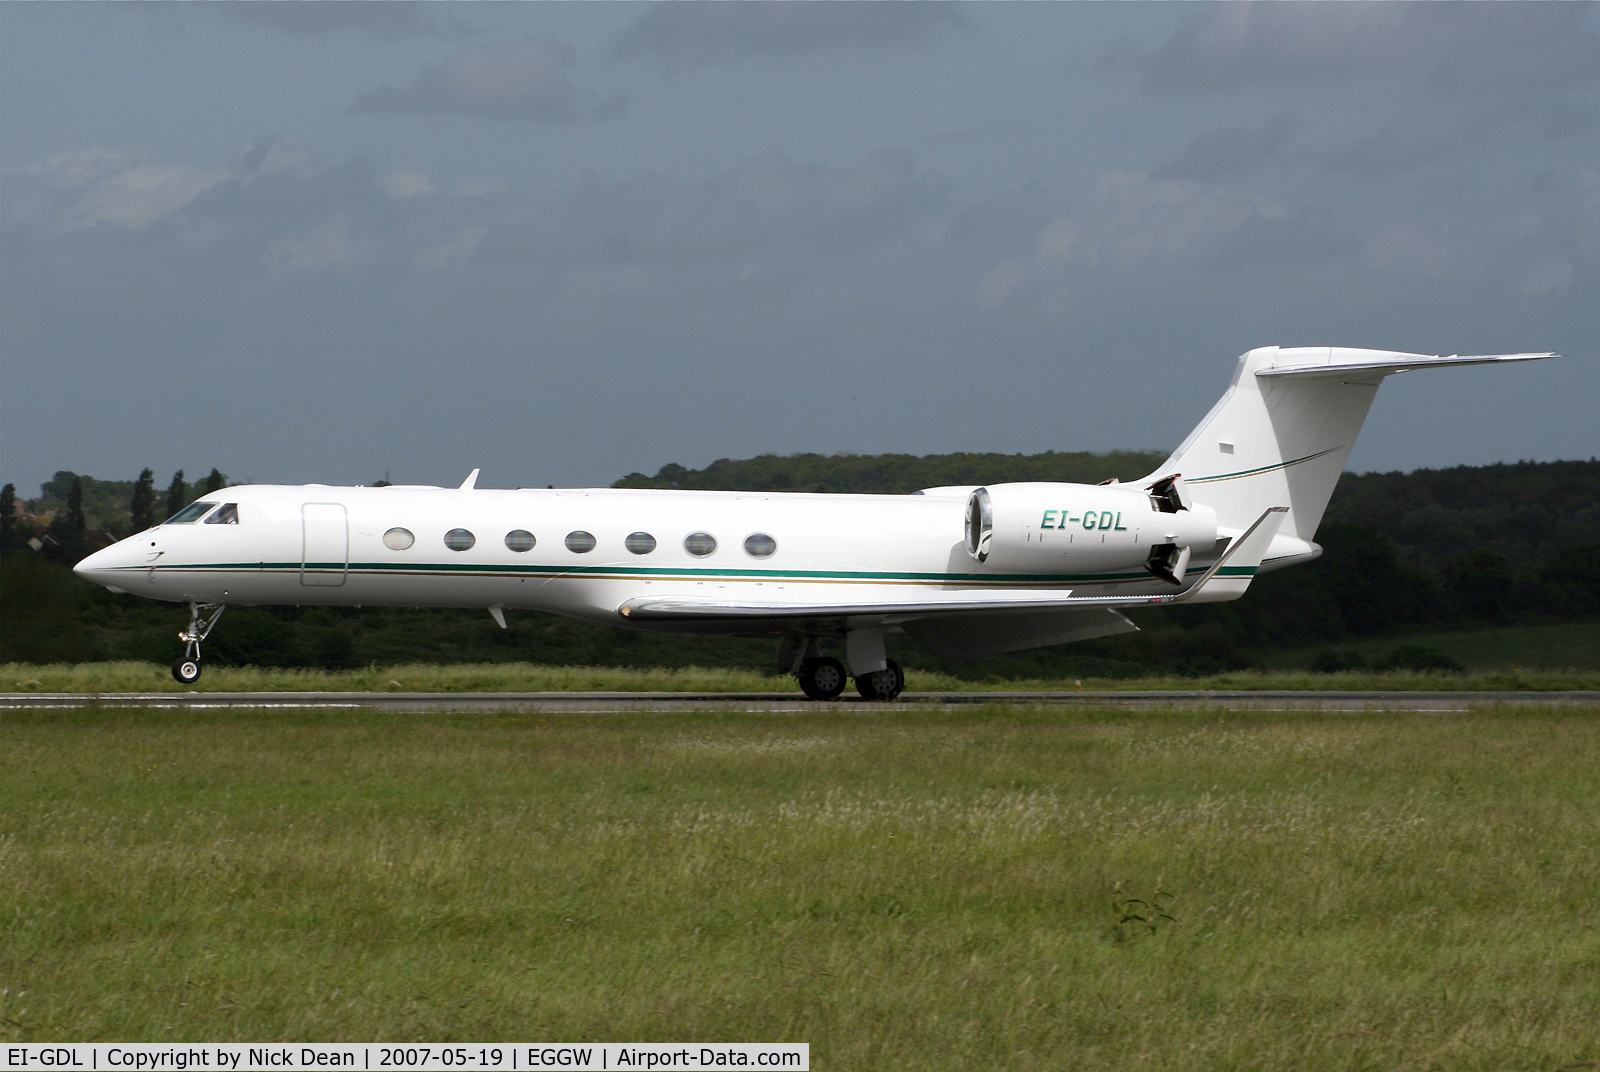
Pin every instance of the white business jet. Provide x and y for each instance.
(967, 571)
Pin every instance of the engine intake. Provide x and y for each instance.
(980, 524)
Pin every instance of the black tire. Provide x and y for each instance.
(186, 670)
(822, 679)
(884, 685)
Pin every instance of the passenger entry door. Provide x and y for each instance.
(325, 545)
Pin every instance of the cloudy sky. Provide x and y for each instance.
(325, 242)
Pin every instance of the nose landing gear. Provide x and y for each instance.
(202, 617)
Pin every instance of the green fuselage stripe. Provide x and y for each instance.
(458, 569)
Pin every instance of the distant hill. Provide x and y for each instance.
(1433, 547)
(896, 474)
(1428, 550)
(1522, 510)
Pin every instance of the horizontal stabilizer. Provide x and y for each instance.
(1340, 360)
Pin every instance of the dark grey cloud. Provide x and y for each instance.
(1132, 225)
(1441, 128)
(1461, 73)
(1227, 152)
(682, 36)
(1436, 131)
(1224, 46)
(279, 254)
(747, 269)
(1311, 236)
(304, 18)
(769, 203)
(1560, 120)
(347, 316)
(527, 80)
(1493, 47)
(984, 132)
(1531, 48)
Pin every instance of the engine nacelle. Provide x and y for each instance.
(1088, 528)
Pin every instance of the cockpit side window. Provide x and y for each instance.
(189, 514)
(228, 515)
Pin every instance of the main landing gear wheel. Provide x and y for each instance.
(186, 670)
(823, 678)
(884, 685)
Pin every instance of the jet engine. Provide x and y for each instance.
(1083, 528)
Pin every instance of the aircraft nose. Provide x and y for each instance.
(102, 567)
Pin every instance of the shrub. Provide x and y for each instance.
(1329, 661)
(1418, 657)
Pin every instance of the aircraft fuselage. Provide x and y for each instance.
(316, 545)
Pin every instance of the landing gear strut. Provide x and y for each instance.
(882, 686)
(202, 617)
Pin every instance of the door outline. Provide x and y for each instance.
(325, 529)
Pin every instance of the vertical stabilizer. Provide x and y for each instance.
(1282, 433)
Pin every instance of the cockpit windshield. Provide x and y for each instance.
(227, 515)
(189, 514)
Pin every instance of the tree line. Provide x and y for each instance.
(75, 514)
(1447, 548)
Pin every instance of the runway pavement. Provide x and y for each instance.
(614, 702)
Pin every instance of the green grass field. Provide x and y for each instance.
(528, 677)
(1019, 888)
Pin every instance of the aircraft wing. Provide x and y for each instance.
(1235, 568)
(689, 608)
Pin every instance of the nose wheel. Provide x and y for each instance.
(884, 685)
(186, 670)
(202, 618)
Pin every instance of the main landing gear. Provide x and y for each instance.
(202, 617)
(823, 677)
(882, 686)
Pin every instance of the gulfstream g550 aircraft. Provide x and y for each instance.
(966, 570)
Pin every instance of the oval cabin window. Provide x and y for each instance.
(759, 545)
(459, 539)
(520, 540)
(398, 539)
(580, 542)
(699, 544)
(640, 543)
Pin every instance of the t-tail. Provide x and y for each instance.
(1282, 433)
